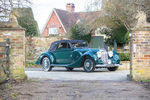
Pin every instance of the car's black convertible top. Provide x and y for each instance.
(54, 44)
(71, 41)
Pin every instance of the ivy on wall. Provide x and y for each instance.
(27, 21)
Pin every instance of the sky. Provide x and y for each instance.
(43, 8)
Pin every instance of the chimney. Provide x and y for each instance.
(70, 7)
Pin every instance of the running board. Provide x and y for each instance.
(58, 65)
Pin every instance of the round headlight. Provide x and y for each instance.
(110, 53)
(109, 61)
(99, 54)
(116, 57)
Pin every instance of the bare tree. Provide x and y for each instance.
(119, 11)
(93, 5)
(125, 11)
(6, 6)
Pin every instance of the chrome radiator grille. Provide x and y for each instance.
(104, 57)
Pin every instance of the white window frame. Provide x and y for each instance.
(53, 30)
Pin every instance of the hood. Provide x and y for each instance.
(83, 50)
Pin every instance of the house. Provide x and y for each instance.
(61, 21)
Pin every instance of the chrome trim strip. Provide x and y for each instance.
(58, 65)
(108, 65)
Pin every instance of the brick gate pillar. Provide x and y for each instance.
(17, 50)
(141, 53)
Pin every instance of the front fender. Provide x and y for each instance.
(78, 61)
(90, 54)
(45, 54)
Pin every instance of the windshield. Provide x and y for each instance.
(80, 45)
(53, 47)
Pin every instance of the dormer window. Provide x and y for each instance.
(53, 31)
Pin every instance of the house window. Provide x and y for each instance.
(53, 30)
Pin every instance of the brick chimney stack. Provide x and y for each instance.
(70, 7)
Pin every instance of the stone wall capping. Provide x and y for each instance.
(12, 29)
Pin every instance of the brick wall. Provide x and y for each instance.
(17, 51)
(35, 46)
(141, 53)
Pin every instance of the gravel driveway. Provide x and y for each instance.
(60, 84)
(77, 90)
(77, 74)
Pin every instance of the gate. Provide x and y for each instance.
(97, 42)
(4, 58)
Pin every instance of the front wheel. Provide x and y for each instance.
(88, 64)
(112, 68)
(46, 64)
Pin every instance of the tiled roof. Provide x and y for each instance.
(68, 19)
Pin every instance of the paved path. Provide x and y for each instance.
(77, 74)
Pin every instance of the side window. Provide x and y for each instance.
(63, 46)
(53, 46)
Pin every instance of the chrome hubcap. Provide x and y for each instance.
(46, 64)
(88, 64)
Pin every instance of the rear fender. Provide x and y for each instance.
(45, 54)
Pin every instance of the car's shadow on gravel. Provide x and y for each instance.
(64, 70)
(78, 70)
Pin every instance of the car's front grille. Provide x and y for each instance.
(104, 57)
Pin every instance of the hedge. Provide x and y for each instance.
(124, 56)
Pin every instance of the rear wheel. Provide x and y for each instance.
(46, 64)
(88, 65)
(69, 69)
(112, 68)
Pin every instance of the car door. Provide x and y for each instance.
(63, 53)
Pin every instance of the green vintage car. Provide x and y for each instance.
(75, 54)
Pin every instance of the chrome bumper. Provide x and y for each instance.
(108, 65)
